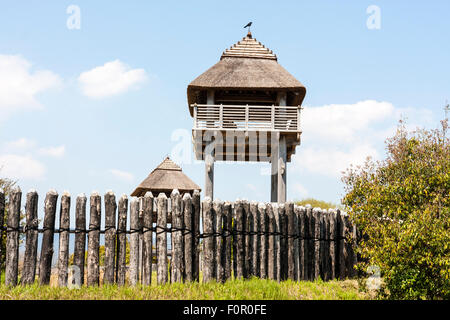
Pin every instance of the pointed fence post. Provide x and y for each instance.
(29, 263)
(332, 253)
(196, 227)
(277, 241)
(80, 235)
(110, 237)
(161, 240)
(255, 239)
(248, 241)
(290, 240)
(147, 249)
(134, 241)
(303, 253)
(188, 237)
(177, 261)
(219, 245)
(64, 228)
(45, 262)
(12, 237)
(2, 222)
(122, 241)
(271, 258)
(208, 263)
(93, 254)
(316, 213)
(239, 225)
(283, 242)
(227, 226)
(263, 229)
(296, 243)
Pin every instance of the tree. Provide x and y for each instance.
(401, 205)
(317, 203)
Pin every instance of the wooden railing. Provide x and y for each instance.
(245, 117)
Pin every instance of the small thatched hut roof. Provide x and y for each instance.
(247, 65)
(165, 178)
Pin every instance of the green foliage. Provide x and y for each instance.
(402, 207)
(317, 203)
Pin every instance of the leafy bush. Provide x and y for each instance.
(402, 207)
(317, 203)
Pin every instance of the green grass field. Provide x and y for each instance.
(254, 289)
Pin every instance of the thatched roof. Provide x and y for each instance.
(247, 65)
(166, 177)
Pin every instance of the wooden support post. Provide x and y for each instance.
(161, 240)
(93, 254)
(122, 240)
(208, 261)
(110, 237)
(218, 246)
(64, 227)
(227, 225)
(12, 238)
(277, 241)
(45, 262)
(275, 150)
(283, 242)
(29, 263)
(282, 170)
(239, 227)
(316, 258)
(209, 170)
(80, 235)
(247, 239)
(2, 223)
(290, 240)
(177, 261)
(263, 228)
(271, 258)
(196, 226)
(134, 241)
(255, 260)
(147, 247)
(188, 238)
(297, 243)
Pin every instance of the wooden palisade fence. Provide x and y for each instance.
(241, 240)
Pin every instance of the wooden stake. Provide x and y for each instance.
(177, 262)
(110, 237)
(147, 249)
(208, 261)
(122, 240)
(134, 241)
(64, 225)
(161, 240)
(188, 238)
(12, 237)
(45, 262)
(227, 225)
(93, 254)
(80, 235)
(29, 263)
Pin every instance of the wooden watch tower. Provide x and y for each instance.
(246, 108)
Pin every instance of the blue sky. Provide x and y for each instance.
(99, 107)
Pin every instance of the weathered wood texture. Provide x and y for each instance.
(110, 237)
(239, 227)
(134, 242)
(147, 249)
(2, 222)
(80, 235)
(12, 238)
(228, 228)
(32, 222)
(93, 254)
(188, 239)
(255, 239)
(177, 262)
(290, 240)
(208, 266)
(271, 250)
(64, 227)
(45, 262)
(263, 229)
(161, 240)
(196, 227)
(121, 241)
(219, 240)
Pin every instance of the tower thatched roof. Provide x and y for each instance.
(247, 65)
(165, 178)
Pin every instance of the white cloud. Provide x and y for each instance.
(112, 78)
(56, 152)
(20, 144)
(122, 175)
(343, 122)
(19, 85)
(21, 167)
(332, 162)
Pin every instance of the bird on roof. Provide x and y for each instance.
(248, 25)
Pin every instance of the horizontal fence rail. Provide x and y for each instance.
(205, 240)
(245, 117)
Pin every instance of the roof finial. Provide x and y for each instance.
(248, 25)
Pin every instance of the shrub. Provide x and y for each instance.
(402, 207)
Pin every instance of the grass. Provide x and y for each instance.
(253, 289)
